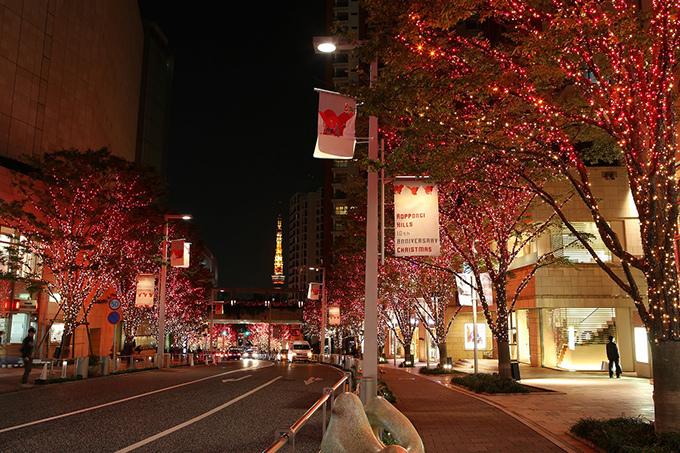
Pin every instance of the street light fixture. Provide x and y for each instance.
(370, 363)
(161, 284)
(322, 334)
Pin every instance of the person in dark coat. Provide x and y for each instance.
(613, 357)
(27, 356)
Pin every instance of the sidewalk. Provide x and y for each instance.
(449, 418)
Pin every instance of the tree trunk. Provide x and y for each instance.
(504, 359)
(65, 346)
(407, 353)
(666, 366)
(442, 353)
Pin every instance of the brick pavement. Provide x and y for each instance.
(453, 421)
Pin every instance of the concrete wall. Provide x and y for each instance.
(70, 74)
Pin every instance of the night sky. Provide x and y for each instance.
(243, 121)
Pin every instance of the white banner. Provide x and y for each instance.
(464, 283)
(335, 137)
(334, 315)
(145, 290)
(179, 253)
(314, 291)
(416, 218)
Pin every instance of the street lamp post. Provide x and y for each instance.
(161, 284)
(322, 333)
(369, 387)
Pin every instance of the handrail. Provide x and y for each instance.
(286, 436)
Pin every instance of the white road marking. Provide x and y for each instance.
(239, 379)
(312, 379)
(195, 419)
(87, 409)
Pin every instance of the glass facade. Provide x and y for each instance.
(575, 338)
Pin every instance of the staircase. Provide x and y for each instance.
(591, 326)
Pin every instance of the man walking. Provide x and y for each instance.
(27, 356)
(613, 357)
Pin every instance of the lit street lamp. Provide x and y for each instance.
(164, 272)
(370, 363)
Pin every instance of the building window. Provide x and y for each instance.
(340, 209)
(565, 244)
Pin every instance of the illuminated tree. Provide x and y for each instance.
(487, 217)
(71, 211)
(557, 84)
(188, 291)
(398, 301)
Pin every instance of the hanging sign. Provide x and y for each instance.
(466, 281)
(416, 218)
(145, 290)
(314, 291)
(179, 253)
(334, 315)
(335, 126)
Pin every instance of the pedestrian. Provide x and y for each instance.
(613, 357)
(27, 356)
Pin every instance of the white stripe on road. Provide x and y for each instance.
(56, 417)
(195, 419)
(237, 379)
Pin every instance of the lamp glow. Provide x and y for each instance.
(326, 47)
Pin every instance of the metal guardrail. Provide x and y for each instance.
(286, 436)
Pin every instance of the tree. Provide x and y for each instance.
(398, 300)
(488, 225)
(72, 211)
(558, 84)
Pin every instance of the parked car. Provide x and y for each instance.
(233, 354)
(300, 351)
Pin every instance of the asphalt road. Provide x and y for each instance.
(233, 407)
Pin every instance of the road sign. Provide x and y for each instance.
(114, 317)
(114, 304)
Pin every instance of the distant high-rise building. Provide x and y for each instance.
(154, 100)
(341, 69)
(278, 279)
(305, 238)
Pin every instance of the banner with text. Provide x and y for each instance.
(145, 290)
(334, 315)
(416, 218)
(335, 137)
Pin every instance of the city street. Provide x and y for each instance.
(235, 406)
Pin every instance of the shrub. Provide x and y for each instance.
(489, 383)
(386, 393)
(625, 435)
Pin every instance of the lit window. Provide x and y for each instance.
(566, 245)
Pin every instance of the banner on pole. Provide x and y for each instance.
(416, 218)
(466, 281)
(334, 315)
(179, 253)
(314, 291)
(335, 126)
(145, 290)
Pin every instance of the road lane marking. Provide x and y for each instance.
(195, 419)
(111, 403)
(239, 379)
(312, 379)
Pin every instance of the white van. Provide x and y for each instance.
(300, 351)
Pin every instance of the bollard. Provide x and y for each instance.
(105, 367)
(81, 366)
(63, 369)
